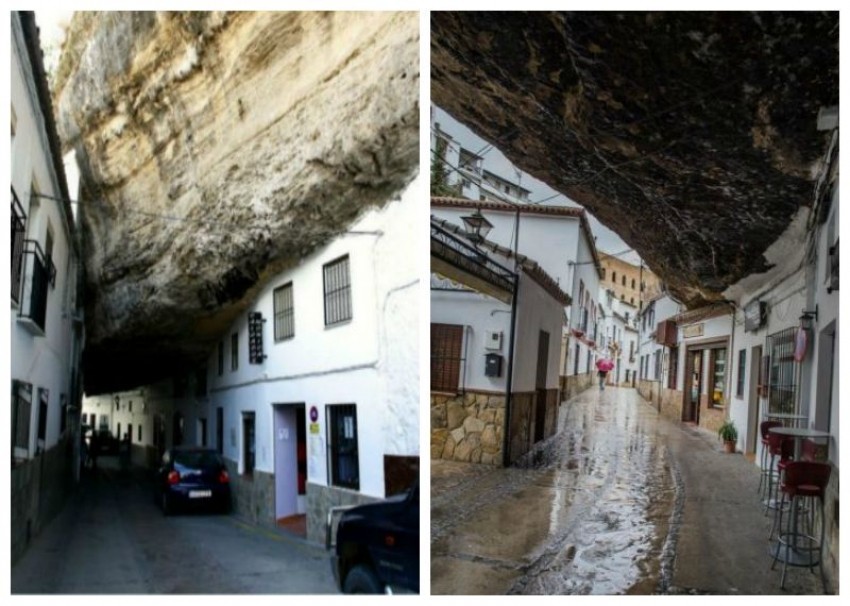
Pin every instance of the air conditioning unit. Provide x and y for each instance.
(493, 340)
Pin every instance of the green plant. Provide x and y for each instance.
(728, 432)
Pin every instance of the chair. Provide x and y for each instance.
(765, 428)
(802, 480)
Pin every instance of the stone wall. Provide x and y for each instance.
(831, 506)
(671, 404)
(650, 391)
(575, 384)
(320, 499)
(710, 418)
(39, 489)
(524, 421)
(468, 427)
(253, 495)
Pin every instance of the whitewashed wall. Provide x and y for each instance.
(536, 311)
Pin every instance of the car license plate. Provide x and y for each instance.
(200, 494)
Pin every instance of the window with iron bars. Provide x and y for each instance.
(284, 313)
(782, 381)
(19, 228)
(337, 286)
(343, 456)
(446, 356)
(21, 414)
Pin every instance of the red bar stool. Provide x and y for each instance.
(802, 480)
(783, 448)
(764, 428)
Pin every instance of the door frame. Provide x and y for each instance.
(753, 400)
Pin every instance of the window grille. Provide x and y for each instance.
(446, 356)
(337, 285)
(284, 313)
(19, 223)
(782, 381)
(342, 445)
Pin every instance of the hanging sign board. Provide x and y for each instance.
(754, 314)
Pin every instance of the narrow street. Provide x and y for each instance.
(618, 501)
(112, 539)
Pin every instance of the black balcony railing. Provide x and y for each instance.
(36, 272)
(19, 228)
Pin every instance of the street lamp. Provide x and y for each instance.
(808, 318)
(477, 226)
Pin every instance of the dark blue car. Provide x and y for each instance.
(193, 477)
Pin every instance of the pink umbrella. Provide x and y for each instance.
(604, 364)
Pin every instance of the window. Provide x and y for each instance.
(220, 358)
(21, 413)
(248, 443)
(284, 313)
(717, 377)
(446, 356)
(130, 406)
(782, 370)
(129, 432)
(575, 365)
(337, 291)
(674, 368)
(139, 436)
(219, 429)
(624, 280)
(657, 364)
(19, 228)
(632, 300)
(43, 397)
(614, 276)
(234, 351)
(742, 363)
(633, 284)
(342, 445)
(202, 431)
(588, 361)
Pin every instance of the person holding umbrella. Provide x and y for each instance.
(603, 366)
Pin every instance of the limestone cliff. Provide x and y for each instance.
(692, 135)
(217, 149)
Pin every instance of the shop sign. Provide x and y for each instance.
(693, 330)
(754, 315)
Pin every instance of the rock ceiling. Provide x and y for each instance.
(692, 135)
(217, 149)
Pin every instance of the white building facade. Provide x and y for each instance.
(46, 319)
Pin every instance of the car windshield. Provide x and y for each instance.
(197, 459)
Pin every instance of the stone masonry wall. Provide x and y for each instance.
(575, 384)
(671, 404)
(39, 488)
(320, 499)
(831, 506)
(253, 495)
(522, 424)
(710, 418)
(468, 427)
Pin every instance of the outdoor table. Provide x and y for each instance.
(795, 557)
(785, 416)
(798, 433)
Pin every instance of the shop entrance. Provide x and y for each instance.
(290, 467)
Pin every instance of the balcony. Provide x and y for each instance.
(37, 274)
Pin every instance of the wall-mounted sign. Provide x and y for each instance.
(754, 315)
(314, 428)
(255, 338)
(314, 414)
(693, 330)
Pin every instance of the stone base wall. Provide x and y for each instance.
(39, 489)
(575, 384)
(253, 495)
(831, 535)
(710, 418)
(671, 404)
(650, 391)
(319, 501)
(468, 427)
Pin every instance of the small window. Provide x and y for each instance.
(234, 351)
(343, 454)
(139, 434)
(742, 362)
(284, 313)
(248, 443)
(624, 280)
(633, 283)
(220, 358)
(674, 368)
(446, 356)
(614, 276)
(337, 285)
(43, 397)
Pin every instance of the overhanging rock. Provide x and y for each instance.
(692, 135)
(217, 149)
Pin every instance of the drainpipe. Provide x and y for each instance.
(510, 370)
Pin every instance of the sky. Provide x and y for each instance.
(494, 161)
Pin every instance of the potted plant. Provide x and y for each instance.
(729, 434)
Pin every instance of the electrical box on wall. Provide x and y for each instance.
(493, 365)
(493, 340)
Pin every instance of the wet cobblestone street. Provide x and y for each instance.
(613, 503)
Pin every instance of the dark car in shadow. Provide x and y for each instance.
(375, 548)
(193, 478)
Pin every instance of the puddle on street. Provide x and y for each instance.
(587, 514)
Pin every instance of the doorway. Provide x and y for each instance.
(690, 411)
(753, 421)
(290, 467)
(540, 385)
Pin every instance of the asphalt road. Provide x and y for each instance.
(112, 539)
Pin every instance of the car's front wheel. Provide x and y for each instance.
(361, 579)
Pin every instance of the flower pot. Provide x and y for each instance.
(729, 446)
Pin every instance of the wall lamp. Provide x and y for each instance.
(808, 318)
(477, 226)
